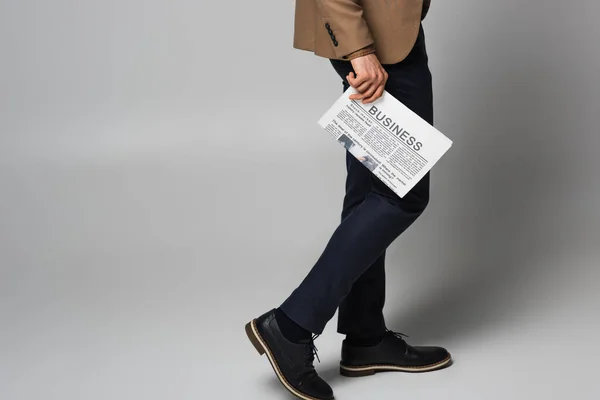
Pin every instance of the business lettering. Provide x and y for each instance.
(393, 127)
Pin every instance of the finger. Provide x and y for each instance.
(361, 89)
(364, 87)
(351, 79)
(363, 84)
(358, 80)
(384, 79)
(378, 94)
(350, 76)
(378, 87)
(369, 92)
(364, 93)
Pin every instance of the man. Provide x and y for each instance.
(372, 45)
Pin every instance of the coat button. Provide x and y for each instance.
(335, 43)
(328, 26)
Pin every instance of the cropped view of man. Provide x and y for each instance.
(373, 45)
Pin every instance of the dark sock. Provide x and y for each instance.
(291, 330)
(363, 341)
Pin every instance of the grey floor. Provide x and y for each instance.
(132, 279)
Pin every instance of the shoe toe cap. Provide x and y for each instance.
(433, 354)
(319, 389)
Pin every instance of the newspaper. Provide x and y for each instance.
(392, 141)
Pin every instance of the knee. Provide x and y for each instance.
(414, 202)
(416, 205)
(410, 205)
(423, 204)
(417, 200)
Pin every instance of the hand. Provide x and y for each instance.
(369, 79)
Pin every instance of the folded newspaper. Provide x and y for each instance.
(392, 141)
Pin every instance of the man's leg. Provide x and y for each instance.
(359, 290)
(355, 245)
(366, 349)
(360, 314)
(361, 309)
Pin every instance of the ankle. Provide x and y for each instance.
(290, 329)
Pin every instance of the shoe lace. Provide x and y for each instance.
(312, 351)
(399, 335)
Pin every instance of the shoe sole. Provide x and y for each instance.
(356, 372)
(262, 348)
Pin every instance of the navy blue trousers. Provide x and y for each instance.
(350, 273)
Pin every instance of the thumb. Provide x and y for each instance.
(351, 78)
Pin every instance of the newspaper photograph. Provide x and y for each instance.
(388, 138)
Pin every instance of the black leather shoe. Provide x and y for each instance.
(391, 354)
(292, 363)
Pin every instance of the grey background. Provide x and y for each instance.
(163, 181)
